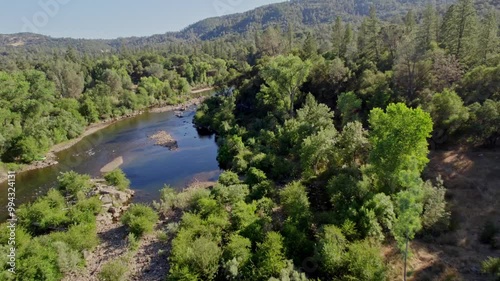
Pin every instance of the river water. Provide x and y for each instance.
(148, 167)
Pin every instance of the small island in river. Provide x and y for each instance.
(164, 139)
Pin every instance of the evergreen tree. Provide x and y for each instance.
(428, 30)
(459, 31)
(337, 36)
(348, 45)
(369, 39)
(489, 43)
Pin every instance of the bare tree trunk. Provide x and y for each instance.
(406, 257)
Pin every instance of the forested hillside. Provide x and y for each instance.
(324, 134)
(301, 14)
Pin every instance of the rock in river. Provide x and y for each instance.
(164, 139)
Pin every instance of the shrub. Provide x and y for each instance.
(133, 242)
(365, 262)
(270, 259)
(488, 233)
(140, 219)
(188, 198)
(435, 216)
(290, 274)
(255, 176)
(85, 210)
(39, 262)
(68, 260)
(492, 266)
(115, 270)
(194, 256)
(230, 194)
(229, 178)
(79, 237)
(167, 200)
(331, 249)
(118, 179)
(46, 213)
(296, 203)
(71, 183)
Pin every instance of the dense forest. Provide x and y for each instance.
(324, 129)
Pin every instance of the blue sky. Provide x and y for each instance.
(112, 18)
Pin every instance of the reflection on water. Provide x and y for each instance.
(147, 166)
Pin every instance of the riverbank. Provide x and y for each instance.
(50, 157)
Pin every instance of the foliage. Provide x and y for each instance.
(140, 219)
(448, 112)
(331, 249)
(117, 178)
(488, 233)
(115, 270)
(284, 75)
(399, 139)
(364, 262)
(492, 266)
(72, 183)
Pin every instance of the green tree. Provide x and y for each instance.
(337, 37)
(399, 136)
(365, 262)
(283, 78)
(459, 31)
(488, 39)
(349, 106)
(269, 258)
(428, 30)
(331, 249)
(448, 112)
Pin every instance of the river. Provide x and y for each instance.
(148, 167)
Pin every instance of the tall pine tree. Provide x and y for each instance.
(459, 31)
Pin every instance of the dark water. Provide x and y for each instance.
(147, 166)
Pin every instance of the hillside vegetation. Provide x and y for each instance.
(324, 134)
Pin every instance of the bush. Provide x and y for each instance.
(46, 213)
(270, 259)
(189, 198)
(167, 200)
(68, 260)
(133, 242)
(39, 262)
(230, 194)
(435, 217)
(79, 237)
(115, 270)
(229, 178)
(118, 179)
(365, 262)
(140, 219)
(85, 211)
(331, 249)
(296, 203)
(488, 233)
(255, 176)
(194, 256)
(492, 266)
(71, 183)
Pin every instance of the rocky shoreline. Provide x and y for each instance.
(51, 158)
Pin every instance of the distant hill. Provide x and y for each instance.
(302, 14)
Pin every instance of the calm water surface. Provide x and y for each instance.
(148, 167)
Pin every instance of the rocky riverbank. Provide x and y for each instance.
(149, 261)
